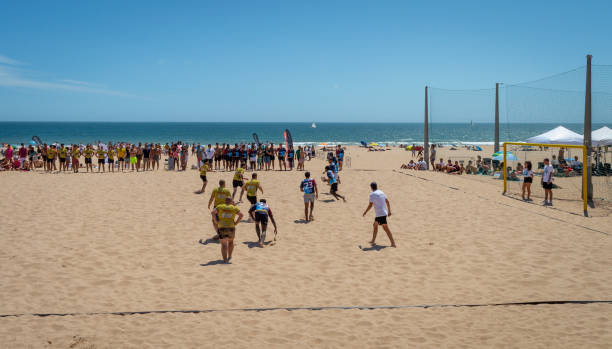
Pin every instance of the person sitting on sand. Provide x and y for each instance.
(421, 165)
(449, 168)
(481, 164)
(519, 168)
(470, 169)
(555, 162)
(454, 168)
(409, 166)
(5, 164)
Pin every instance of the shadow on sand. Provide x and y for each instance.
(208, 241)
(372, 248)
(218, 261)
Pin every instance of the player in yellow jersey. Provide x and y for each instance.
(75, 154)
(51, 153)
(111, 159)
(121, 152)
(203, 171)
(251, 188)
(88, 153)
(101, 154)
(218, 196)
(62, 154)
(227, 216)
(238, 181)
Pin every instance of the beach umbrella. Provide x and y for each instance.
(323, 144)
(509, 156)
(372, 144)
(32, 142)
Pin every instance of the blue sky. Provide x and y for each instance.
(278, 60)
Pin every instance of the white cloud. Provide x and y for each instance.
(80, 83)
(13, 77)
(9, 61)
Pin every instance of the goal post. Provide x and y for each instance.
(568, 146)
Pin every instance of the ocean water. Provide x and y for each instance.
(333, 133)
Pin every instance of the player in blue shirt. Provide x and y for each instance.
(333, 182)
(309, 187)
(260, 212)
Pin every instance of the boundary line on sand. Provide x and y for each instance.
(382, 307)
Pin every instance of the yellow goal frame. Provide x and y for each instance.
(584, 164)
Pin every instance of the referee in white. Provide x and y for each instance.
(382, 209)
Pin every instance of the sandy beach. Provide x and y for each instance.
(90, 245)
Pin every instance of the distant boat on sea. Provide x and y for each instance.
(313, 125)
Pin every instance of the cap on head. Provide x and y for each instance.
(374, 186)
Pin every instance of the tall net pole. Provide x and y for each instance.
(587, 130)
(496, 147)
(426, 131)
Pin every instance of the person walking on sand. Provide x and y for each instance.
(251, 188)
(238, 181)
(547, 178)
(218, 196)
(226, 216)
(203, 171)
(309, 187)
(333, 182)
(382, 210)
(260, 212)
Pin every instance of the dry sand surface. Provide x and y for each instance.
(87, 244)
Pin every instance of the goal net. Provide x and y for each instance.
(527, 161)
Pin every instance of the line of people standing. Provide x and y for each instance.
(252, 156)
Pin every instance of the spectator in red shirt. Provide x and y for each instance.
(23, 154)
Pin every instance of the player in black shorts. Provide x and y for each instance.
(272, 151)
(260, 212)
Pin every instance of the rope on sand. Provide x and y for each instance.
(381, 307)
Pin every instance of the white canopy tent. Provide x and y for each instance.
(558, 135)
(601, 137)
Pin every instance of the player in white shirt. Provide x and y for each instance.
(547, 178)
(382, 210)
